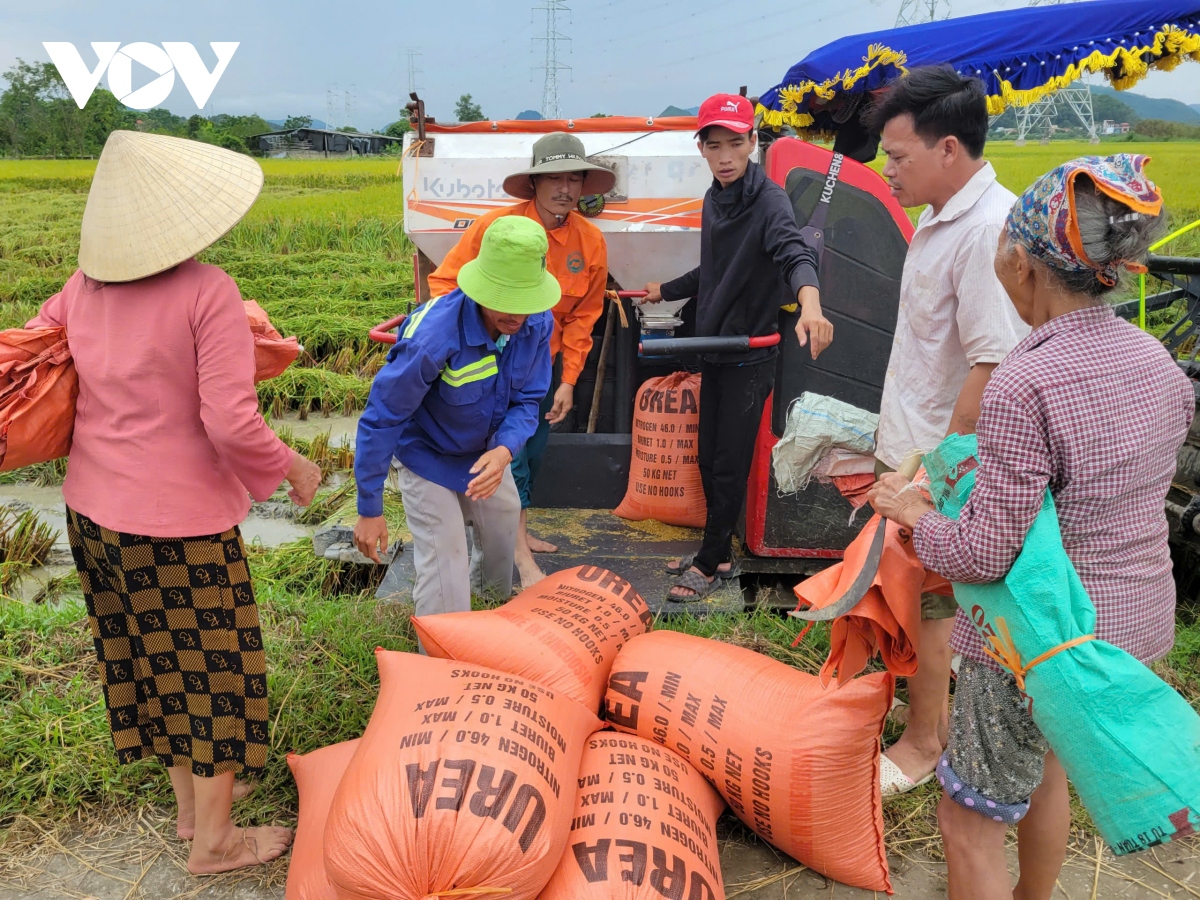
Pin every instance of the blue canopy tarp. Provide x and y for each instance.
(1021, 55)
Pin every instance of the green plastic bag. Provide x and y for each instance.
(1129, 743)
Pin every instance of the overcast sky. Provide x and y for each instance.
(631, 57)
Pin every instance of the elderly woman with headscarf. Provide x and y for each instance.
(1094, 410)
(168, 440)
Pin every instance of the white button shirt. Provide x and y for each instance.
(954, 314)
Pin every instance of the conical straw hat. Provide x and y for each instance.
(157, 201)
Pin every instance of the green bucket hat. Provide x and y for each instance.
(509, 275)
(560, 152)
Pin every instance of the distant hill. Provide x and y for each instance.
(678, 111)
(529, 115)
(1152, 107)
(278, 123)
(1195, 106)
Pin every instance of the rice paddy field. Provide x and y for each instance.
(325, 254)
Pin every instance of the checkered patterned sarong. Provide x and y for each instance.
(178, 644)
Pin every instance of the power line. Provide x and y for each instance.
(413, 71)
(914, 12)
(1040, 115)
(551, 107)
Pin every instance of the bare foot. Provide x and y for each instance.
(243, 847)
(185, 824)
(537, 545)
(529, 572)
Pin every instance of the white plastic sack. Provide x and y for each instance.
(815, 424)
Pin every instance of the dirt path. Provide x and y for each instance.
(142, 859)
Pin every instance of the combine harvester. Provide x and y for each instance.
(651, 220)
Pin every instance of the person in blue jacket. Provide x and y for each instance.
(456, 400)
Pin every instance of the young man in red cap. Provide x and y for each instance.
(753, 260)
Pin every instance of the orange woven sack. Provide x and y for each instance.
(563, 633)
(272, 351)
(797, 763)
(664, 477)
(463, 785)
(317, 776)
(645, 827)
(38, 387)
(888, 618)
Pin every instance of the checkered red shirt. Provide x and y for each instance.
(1096, 410)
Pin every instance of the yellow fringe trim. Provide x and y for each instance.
(1171, 46)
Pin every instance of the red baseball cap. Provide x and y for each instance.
(727, 110)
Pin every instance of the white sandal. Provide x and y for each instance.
(893, 781)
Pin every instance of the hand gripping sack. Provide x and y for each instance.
(563, 633)
(887, 620)
(798, 763)
(272, 351)
(1129, 742)
(464, 780)
(38, 388)
(317, 776)
(645, 827)
(664, 477)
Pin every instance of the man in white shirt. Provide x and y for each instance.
(955, 324)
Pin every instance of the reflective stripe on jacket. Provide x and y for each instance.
(447, 394)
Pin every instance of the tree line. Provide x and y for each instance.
(38, 117)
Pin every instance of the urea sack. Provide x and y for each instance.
(464, 778)
(644, 827)
(317, 776)
(664, 476)
(38, 389)
(563, 633)
(798, 763)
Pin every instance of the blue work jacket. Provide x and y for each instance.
(447, 394)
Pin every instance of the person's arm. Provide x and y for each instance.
(798, 261)
(228, 401)
(577, 328)
(966, 407)
(444, 279)
(987, 322)
(1010, 486)
(685, 286)
(396, 393)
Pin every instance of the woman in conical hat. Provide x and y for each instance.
(168, 445)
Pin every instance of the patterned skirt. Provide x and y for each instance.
(179, 646)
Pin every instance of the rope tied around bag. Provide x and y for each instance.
(469, 892)
(1005, 653)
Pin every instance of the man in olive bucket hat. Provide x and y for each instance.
(455, 403)
(549, 191)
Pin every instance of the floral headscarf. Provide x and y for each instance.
(1044, 220)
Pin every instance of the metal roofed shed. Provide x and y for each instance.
(320, 143)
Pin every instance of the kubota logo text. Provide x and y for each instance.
(118, 60)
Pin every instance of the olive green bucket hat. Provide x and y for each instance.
(509, 275)
(560, 152)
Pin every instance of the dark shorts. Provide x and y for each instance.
(996, 754)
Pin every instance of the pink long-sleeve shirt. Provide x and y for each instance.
(168, 437)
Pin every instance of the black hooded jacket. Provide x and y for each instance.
(752, 261)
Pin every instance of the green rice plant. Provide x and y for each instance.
(25, 542)
(47, 474)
